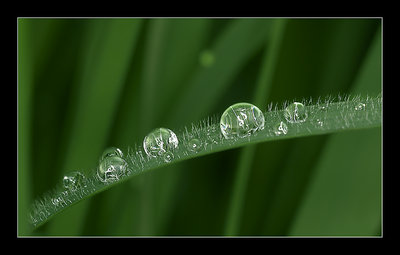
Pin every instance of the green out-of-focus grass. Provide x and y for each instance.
(87, 84)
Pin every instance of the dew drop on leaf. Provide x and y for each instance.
(74, 180)
(295, 113)
(194, 145)
(112, 169)
(281, 128)
(159, 141)
(168, 156)
(360, 107)
(241, 120)
(111, 152)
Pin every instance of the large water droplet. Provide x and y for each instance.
(112, 169)
(111, 152)
(295, 113)
(194, 145)
(74, 180)
(159, 141)
(281, 128)
(241, 120)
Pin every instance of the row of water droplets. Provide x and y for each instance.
(241, 120)
(238, 121)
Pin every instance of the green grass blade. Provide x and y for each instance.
(167, 70)
(105, 62)
(356, 176)
(51, 66)
(344, 196)
(24, 123)
(334, 116)
(151, 72)
(178, 68)
(309, 67)
(165, 94)
(216, 73)
(246, 157)
(209, 84)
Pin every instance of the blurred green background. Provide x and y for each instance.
(87, 84)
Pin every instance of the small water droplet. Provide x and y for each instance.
(320, 122)
(112, 169)
(360, 107)
(168, 156)
(241, 120)
(281, 128)
(160, 141)
(295, 113)
(111, 152)
(194, 145)
(74, 180)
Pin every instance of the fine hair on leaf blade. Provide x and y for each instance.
(253, 126)
(329, 115)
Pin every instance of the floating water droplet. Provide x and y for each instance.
(112, 169)
(281, 128)
(360, 107)
(159, 141)
(74, 180)
(168, 156)
(194, 145)
(241, 120)
(111, 152)
(295, 113)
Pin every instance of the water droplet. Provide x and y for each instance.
(168, 156)
(360, 107)
(281, 128)
(241, 120)
(295, 113)
(112, 169)
(206, 58)
(320, 122)
(194, 145)
(159, 141)
(111, 152)
(74, 180)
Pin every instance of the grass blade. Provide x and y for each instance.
(24, 123)
(209, 84)
(335, 116)
(282, 182)
(105, 62)
(246, 157)
(344, 196)
(356, 175)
